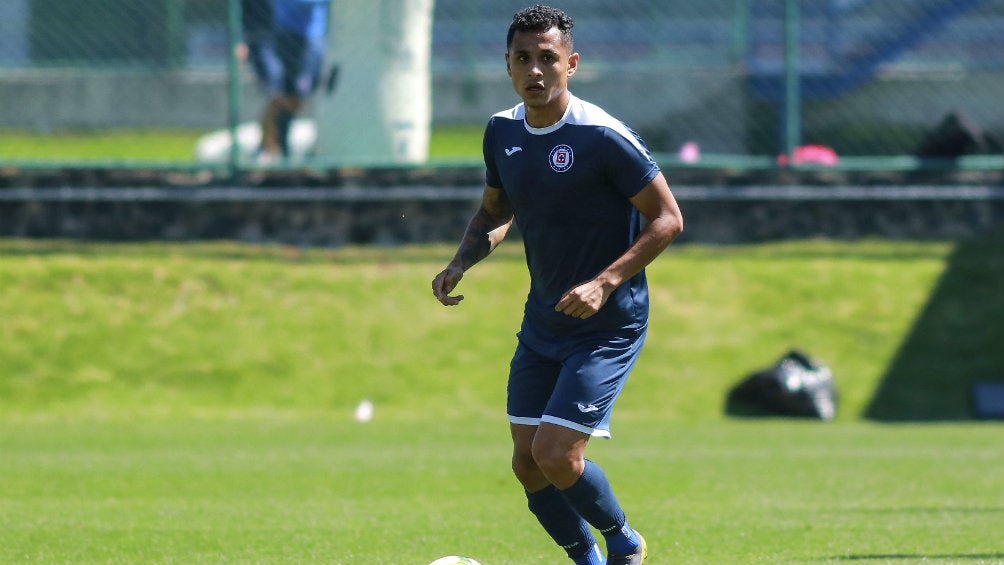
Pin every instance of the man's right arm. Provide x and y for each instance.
(484, 232)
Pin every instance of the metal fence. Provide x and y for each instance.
(879, 83)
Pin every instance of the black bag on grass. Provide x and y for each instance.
(794, 386)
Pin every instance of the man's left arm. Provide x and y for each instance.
(664, 222)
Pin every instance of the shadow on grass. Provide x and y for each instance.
(956, 341)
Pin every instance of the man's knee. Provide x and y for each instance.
(559, 452)
(527, 472)
(523, 465)
(549, 455)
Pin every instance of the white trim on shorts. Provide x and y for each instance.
(594, 432)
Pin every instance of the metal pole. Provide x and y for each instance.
(740, 30)
(175, 17)
(233, 82)
(471, 18)
(792, 89)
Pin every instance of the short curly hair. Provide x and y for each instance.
(540, 18)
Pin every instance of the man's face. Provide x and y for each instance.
(540, 64)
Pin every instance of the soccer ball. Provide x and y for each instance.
(454, 560)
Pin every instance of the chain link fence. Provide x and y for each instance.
(739, 82)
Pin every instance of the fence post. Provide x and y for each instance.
(792, 74)
(175, 14)
(233, 84)
(740, 30)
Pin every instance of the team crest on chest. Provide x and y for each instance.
(561, 158)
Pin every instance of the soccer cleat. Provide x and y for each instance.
(636, 558)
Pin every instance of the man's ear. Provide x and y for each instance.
(508, 71)
(573, 63)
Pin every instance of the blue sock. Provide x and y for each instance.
(622, 541)
(560, 521)
(592, 557)
(593, 499)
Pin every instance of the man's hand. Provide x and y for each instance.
(445, 282)
(585, 299)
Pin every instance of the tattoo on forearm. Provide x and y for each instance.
(476, 244)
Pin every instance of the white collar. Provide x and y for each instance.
(555, 125)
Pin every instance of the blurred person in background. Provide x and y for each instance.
(285, 42)
(593, 209)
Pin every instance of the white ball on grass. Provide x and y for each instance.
(454, 560)
(364, 411)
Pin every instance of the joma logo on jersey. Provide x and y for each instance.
(561, 158)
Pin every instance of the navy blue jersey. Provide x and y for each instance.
(569, 186)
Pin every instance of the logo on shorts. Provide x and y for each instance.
(587, 408)
(561, 158)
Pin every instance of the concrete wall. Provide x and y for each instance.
(51, 99)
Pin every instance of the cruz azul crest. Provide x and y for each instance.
(561, 158)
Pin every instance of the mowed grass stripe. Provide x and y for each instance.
(386, 492)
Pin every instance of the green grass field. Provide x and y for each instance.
(177, 145)
(171, 403)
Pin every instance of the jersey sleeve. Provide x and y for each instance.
(629, 164)
(488, 149)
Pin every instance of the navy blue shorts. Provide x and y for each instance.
(288, 63)
(574, 386)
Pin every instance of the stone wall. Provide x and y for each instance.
(336, 208)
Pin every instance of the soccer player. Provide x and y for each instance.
(593, 210)
(285, 43)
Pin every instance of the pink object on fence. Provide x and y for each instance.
(810, 155)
